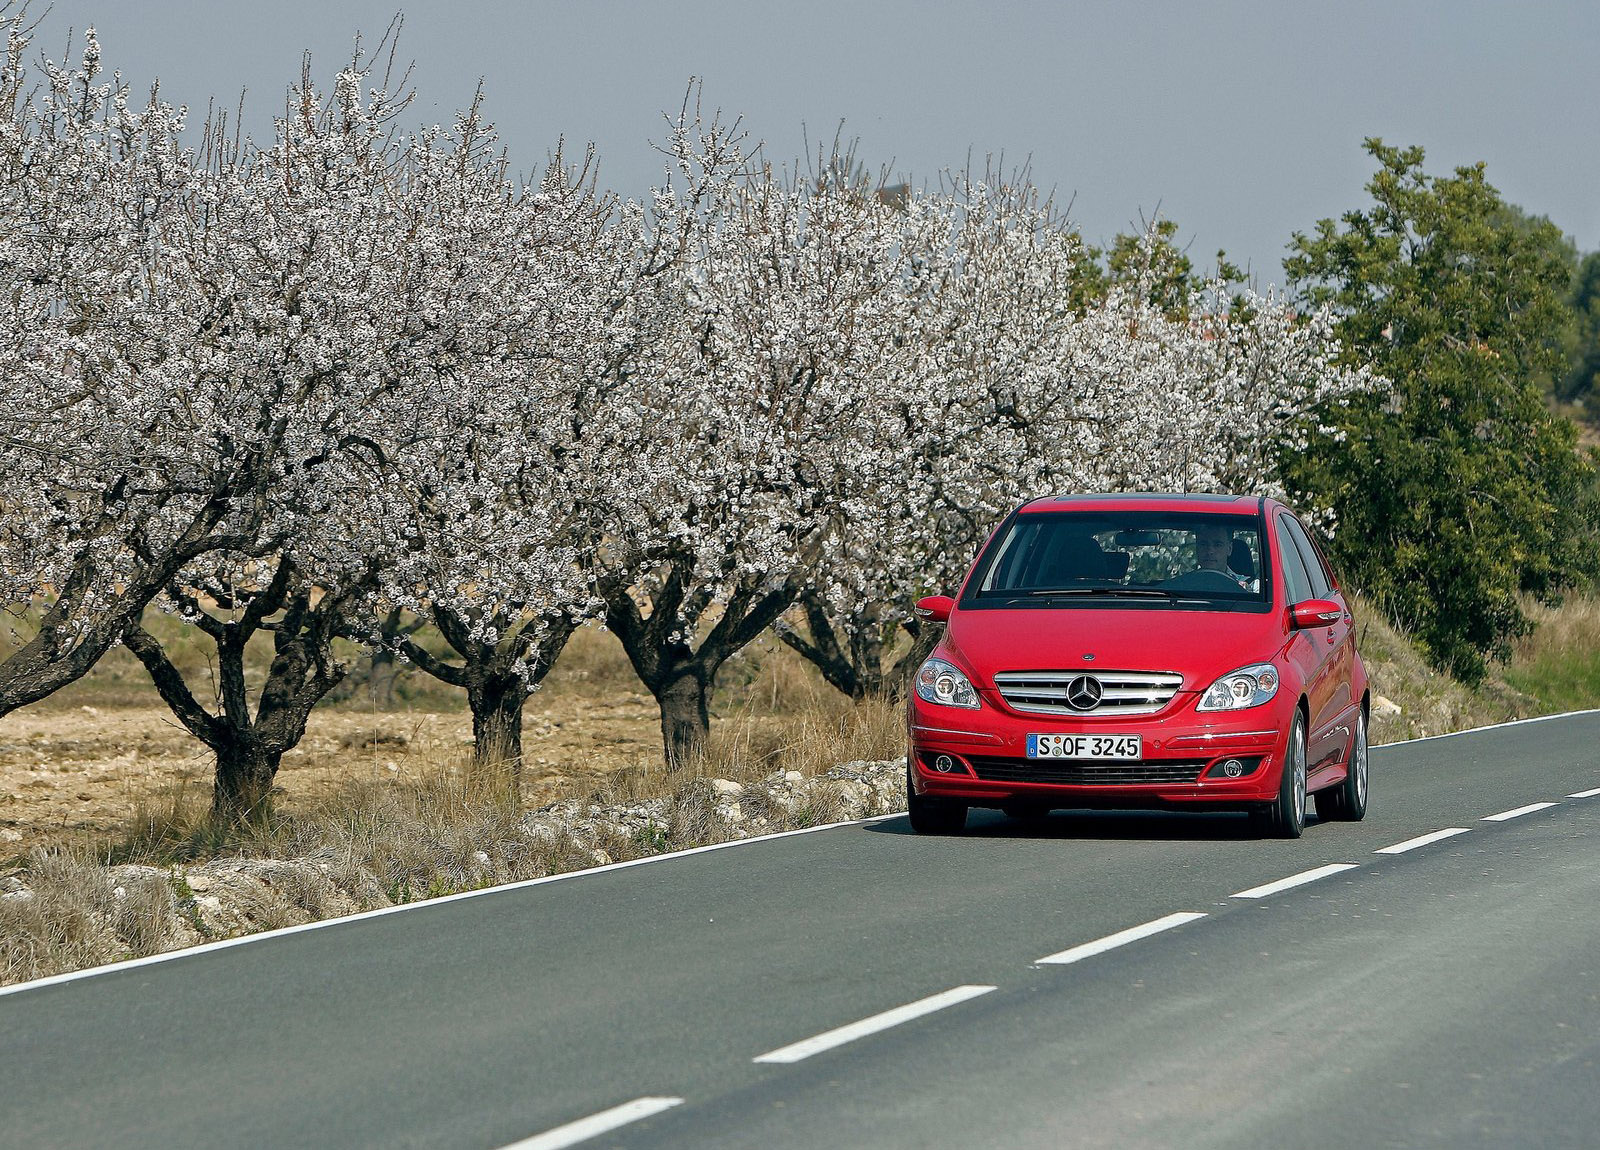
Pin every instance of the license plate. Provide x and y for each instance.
(1085, 747)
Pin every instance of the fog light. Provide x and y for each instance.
(1233, 767)
(944, 764)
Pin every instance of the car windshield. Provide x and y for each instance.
(1125, 558)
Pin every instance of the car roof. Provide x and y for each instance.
(1147, 501)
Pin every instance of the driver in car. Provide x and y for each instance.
(1213, 543)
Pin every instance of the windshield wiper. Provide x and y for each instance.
(1125, 592)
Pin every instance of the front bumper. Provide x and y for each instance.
(1184, 752)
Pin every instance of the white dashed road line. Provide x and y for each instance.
(1527, 810)
(843, 1034)
(1585, 794)
(1121, 938)
(596, 1124)
(1295, 880)
(1420, 841)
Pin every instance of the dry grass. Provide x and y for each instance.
(453, 831)
(88, 768)
(380, 842)
(448, 825)
(1430, 701)
(81, 914)
(1560, 662)
(748, 748)
(87, 761)
(1555, 668)
(830, 731)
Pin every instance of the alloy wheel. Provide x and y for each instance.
(1300, 780)
(1358, 764)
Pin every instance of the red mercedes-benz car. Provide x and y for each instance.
(1134, 651)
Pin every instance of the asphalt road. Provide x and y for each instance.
(1448, 995)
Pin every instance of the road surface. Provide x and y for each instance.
(1095, 980)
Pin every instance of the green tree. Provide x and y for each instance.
(1458, 490)
(1151, 263)
(1582, 382)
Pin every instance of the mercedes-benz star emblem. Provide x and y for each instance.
(1083, 693)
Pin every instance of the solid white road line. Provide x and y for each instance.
(1493, 727)
(1295, 880)
(843, 1034)
(596, 1124)
(406, 907)
(1585, 794)
(1121, 938)
(1527, 810)
(1420, 841)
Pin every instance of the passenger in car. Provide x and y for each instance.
(1073, 557)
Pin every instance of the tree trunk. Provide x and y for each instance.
(497, 702)
(866, 655)
(383, 667)
(250, 747)
(677, 674)
(489, 673)
(383, 670)
(924, 638)
(245, 771)
(684, 698)
(821, 648)
(857, 661)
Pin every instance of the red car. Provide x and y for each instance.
(1133, 651)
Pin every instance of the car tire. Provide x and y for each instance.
(1285, 818)
(933, 816)
(1347, 802)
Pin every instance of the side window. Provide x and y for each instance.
(1321, 584)
(1319, 548)
(1296, 582)
(1020, 550)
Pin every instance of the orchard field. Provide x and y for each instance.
(84, 769)
(277, 412)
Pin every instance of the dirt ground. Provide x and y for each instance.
(82, 763)
(70, 772)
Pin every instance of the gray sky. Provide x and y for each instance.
(1242, 121)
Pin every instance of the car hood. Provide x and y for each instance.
(1199, 645)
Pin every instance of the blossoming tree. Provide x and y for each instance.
(768, 422)
(301, 389)
(497, 514)
(127, 456)
(297, 260)
(1036, 386)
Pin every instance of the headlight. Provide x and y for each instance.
(939, 682)
(1247, 687)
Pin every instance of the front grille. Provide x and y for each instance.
(1121, 692)
(1077, 773)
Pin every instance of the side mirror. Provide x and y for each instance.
(1311, 613)
(935, 608)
